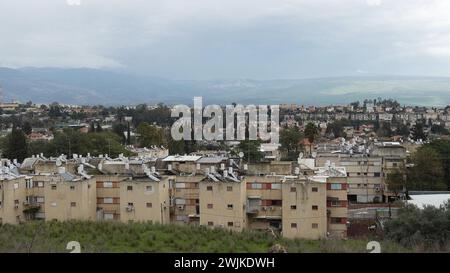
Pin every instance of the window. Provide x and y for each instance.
(230, 206)
(254, 186)
(277, 203)
(210, 223)
(129, 188)
(230, 224)
(376, 174)
(293, 225)
(315, 226)
(210, 206)
(72, 188)
(315, 189)
(53, 187)
(293, 207)
(334, 203)
(180, 185)
(149, 188)
(293, 189)
(315, 207)
(276, 186)
(40, 199)
(73, 204)
(336, 186)
(149, 205)
(107, 184)
(229, 188)
(0, 204)
(108, 200)
(395, 164)
(336, 220)
(131, 204)
(108, 216)
(209, 188)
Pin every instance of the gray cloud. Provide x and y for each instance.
(233, 38)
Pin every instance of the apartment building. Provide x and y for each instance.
(145, 198)
(185, 199)
(12, 196)
(304, 212)
(222, 202)
(264, 202)
(62, 197)
(337, 203)
(295, 199)
(364, 175)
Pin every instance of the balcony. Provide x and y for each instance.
(253, 205)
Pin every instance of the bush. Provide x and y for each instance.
(427, 228)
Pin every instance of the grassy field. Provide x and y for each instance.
(145, 237)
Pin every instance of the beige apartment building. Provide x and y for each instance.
(185, 199)
(12, 197)
(222, 204)
(145, 199)
(295, 199)
(364, 175)
(304, 211)
(264, 202)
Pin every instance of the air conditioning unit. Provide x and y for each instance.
(263, 208)
(272, 208)
(181, 207)
(129, 208)
(16, 206)
(377, 189)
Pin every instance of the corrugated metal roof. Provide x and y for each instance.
(435, 200)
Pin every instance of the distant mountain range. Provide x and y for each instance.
(91, 86)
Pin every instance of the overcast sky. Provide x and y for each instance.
(207, 39)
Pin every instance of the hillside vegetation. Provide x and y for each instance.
(146, 237)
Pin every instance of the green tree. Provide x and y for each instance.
(251, 151)
(150, 135)
(99, 128)
(26, 128)
(427, 172)
(119, 129)
(311, 132)
(290, 140)
(92, 127)
(55, 110)
(176, 147)
(402, 130)
(396, 181)
(442, 147)
(425, 228)
(384, 130)
(337, 127)
(128, 134)
(418, 133)
(16, 145)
